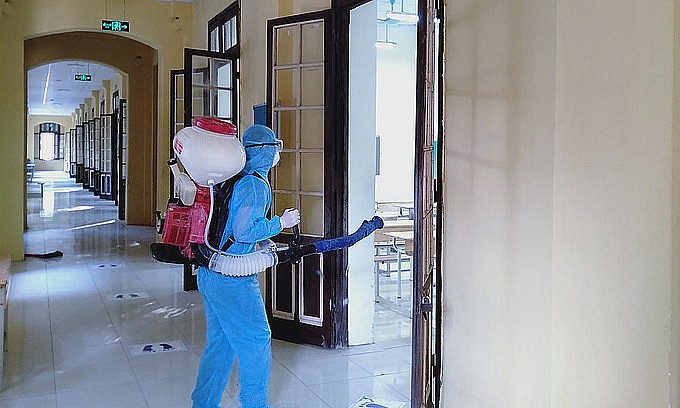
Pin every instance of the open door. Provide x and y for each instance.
(97, 154)
(115, 142)
(122, 157)
(205, 87)
(211, 90)
(176, 114)
(426, 356)
(92, 154)
(80, 154)
(72, 152)
(86, 154)
(106, 137)
(302, 299)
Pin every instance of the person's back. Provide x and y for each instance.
(236, 321)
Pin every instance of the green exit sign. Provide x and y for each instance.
(83, 77)
(115, 25)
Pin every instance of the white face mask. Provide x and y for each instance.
(277, 157)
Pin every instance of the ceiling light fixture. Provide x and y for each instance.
(47, 82)
(401, 16)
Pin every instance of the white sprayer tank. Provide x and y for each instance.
(210, 150)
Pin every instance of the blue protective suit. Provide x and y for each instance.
(236, 321)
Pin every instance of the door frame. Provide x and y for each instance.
(341, 9)
(336, 148)
(333, 331)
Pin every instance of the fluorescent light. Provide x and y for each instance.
(47, 82)
(385, 45)
(409, 18)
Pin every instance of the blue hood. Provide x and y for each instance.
(259, 159)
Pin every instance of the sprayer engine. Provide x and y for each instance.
(186, 224)
(211, 154)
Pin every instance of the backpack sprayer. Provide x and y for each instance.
(212, 155)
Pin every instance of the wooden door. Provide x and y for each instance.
(97, 154)
(106, 156)
(86, 155)
(206, 87)
(300, 298)
(122, 157)
(427, 282)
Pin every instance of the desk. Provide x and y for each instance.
(396, 254)
(406, 236)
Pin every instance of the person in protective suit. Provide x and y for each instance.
(236, 321)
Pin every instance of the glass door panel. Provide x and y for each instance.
(312, 47)
(287, 44)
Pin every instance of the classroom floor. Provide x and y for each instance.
(80, 326)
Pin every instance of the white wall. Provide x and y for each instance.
(498, 209)
(612, 257)
(362, 123)
(559, 205)
(396, 88)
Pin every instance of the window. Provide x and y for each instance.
(223, 30)
(223, 37)
(48, 142)
(47, 146)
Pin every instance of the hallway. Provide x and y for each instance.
(89, 329)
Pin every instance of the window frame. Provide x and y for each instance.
(55, 129)
(218, 22)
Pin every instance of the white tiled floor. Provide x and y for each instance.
(69, 338)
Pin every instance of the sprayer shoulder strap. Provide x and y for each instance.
(223, 193)
(221, 196)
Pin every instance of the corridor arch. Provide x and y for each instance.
(140, 62)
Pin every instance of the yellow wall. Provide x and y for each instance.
(152, 23)
(203, 11)
(12, 121)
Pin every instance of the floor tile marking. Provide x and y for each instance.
(157, 348)
(128, 296)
